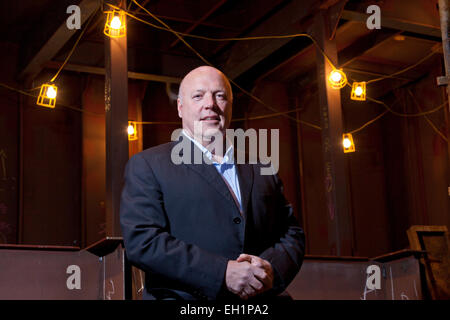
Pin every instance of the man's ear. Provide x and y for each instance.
(179, 106)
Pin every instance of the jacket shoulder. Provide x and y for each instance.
(159, 152)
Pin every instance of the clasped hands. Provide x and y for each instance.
(248, 276)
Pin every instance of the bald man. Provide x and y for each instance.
(212, 230)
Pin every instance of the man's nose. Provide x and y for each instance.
(209, 101)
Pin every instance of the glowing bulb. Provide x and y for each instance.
(130, 130)
(336, 76)
(358, 91)
(116, 23)
(347, 143)
(51, 93)
(337, 79)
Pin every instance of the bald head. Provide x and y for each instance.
(205, 100)
(205, 70)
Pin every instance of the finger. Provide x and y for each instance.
(261, 275)
(257, 285)
(257, 262)
(244, 257)
(248, 291)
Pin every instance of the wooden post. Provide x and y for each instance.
(335, 173)
(116, 114)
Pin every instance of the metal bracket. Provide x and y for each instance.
(443, 81)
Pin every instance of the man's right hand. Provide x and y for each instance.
(240, 279)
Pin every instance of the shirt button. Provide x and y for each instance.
(237, 220)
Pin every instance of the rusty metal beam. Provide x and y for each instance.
(61, 36)
(394, 23)
(335, 171)
(245, 55)
(101, 71)
(116, 114)
(444, 15)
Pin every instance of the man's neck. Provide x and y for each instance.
(217, 152)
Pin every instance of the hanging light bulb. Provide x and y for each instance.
(337, 79)
(132, 132)
(115, 23)
(51, 93)
(347, 142)
(358, 91)
(115, 26)
(47, 95)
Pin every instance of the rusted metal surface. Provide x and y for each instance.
(116, 113)
(444, 19)
(335, 171)
(346, 279)
(58, 273)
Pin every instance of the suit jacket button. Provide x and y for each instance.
(237, 220)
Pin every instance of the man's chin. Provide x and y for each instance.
(212, 133)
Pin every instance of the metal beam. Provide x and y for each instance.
(393, 23)
(199, 21)
(116, 115)
(444, 15)
(101, 71)
(245, 55)
(335, 170)
(61, 36)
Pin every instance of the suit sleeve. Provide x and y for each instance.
(148, 242)
(286, 254)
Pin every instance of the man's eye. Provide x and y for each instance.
(221, 96)
(197, 96)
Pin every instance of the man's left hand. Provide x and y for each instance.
(267, 276)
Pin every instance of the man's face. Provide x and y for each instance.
(205, 97)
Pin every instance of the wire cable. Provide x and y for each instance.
(432, 125)
(74, 46)
(210, 64)
(58, 104)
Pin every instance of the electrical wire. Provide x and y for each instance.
(408, 114)
(432, 125)
(369, 122)
(74, 46)
(210, 64)
(58, 104)
(403, 70)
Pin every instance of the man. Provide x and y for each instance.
(207, 231)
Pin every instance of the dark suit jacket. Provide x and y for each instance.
(181, 225)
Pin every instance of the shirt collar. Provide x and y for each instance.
(228, 157)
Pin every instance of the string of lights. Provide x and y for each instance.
(115, 27)
(210, 64)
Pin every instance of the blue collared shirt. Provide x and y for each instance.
(227, 168)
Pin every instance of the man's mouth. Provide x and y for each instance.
(210, 118)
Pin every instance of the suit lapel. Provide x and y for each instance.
(245, 177)
(209, 173)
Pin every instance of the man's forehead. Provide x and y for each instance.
(205, 81)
